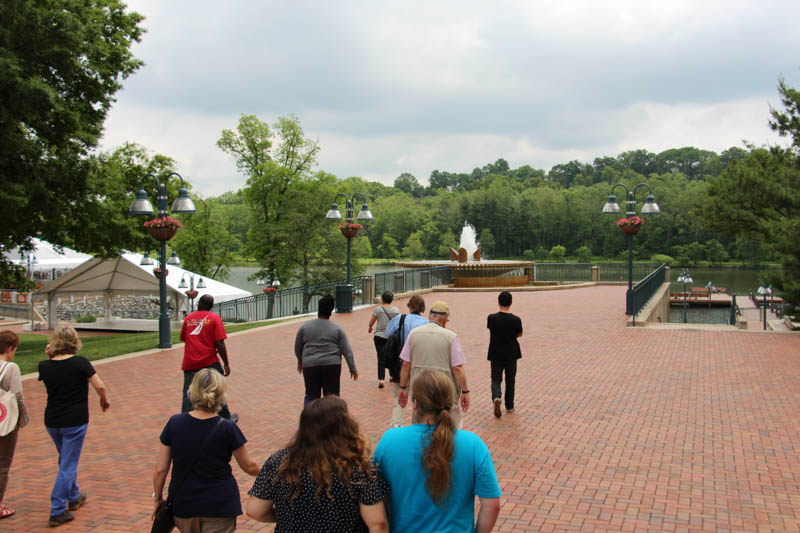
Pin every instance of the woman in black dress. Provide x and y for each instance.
(324, 480)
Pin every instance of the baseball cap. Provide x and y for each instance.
(440, 307)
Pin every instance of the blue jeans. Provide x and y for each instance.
(69, 443)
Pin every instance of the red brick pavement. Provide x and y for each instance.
(616, 429)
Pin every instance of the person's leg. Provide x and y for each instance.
(497, 379)
(511, 378)
(188, 525)
(379, 344)
(397, 411)
(330, 379)
(313, 381)
(186, 403)
(224, 412)
(69, 443)
(218, 525)
(7, 446)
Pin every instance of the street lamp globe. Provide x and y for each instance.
(333, 213)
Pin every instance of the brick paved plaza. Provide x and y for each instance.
(616, 429)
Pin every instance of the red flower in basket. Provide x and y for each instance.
(192, 294)
(157, 272)
(630, 226)
(349, 229)
(268, 290)
(163, 229)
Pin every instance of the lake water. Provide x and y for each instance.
(738, 280)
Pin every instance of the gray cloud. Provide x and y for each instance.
(390, 87)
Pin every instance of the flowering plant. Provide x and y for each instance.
(633, 221)
(269, 289)
(166, 222)
(350, 225)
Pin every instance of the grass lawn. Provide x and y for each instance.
(31, 347)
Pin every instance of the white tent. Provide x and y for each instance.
(124, 276)
(47, 262)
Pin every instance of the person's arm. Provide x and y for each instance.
(160, 475)
(372, 321)
(260, 510)
(487, 514)
(222, 350)
(374, 517)
(100, 389)
(461, 378)
(245, 462)
(298, 349)
(405, 374)
(347, 352)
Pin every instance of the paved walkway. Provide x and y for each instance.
(616, 429)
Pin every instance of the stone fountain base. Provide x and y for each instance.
(485, 273)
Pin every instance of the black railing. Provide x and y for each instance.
(288, 302)
(301, 300)
(562, 272)
(619, 271)
(646, 288)
(416, 279)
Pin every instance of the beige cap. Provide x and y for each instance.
(440, 307)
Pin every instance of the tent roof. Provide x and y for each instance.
(124, 275)
(48, 256)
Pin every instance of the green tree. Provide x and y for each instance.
(205, 244)
(61, 63)
(408, 184)
(486, 241)
(558, 253)
(273, 159)
(584, 254)
(758, 197)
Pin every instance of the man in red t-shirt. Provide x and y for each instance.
(204, 336)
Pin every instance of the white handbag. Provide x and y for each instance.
(9, 408)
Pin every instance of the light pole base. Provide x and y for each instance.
(164, 337)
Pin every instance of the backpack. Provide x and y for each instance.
(392, 349)
(9, 409)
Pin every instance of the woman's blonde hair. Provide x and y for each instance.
(207, 391)
(434, 393)
(65, 340)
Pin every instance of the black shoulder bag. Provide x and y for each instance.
(164, 521)
(392, 349)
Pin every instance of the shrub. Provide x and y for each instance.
(85, 319)
(663, 258)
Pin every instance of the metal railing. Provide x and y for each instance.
(301, 300)
(619, 271)
(562, 272)
(411, 280)
(15, 311)
(646, 288)
(288, 302)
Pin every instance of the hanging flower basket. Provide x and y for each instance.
(157, 272)
(192, 294)
(349, 229)
(268, 290)
(630, 226)
(163, 229)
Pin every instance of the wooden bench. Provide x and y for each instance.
(700, 292)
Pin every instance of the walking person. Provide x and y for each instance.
(433, 347)
(204, 336)
(199, 444)
(324, 480)
(435, 470)
(504, 330)
(414, 319)
(381, 316)
(319, 346)
(67, 376)
(10, 381)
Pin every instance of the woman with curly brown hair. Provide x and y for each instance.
(435, 470)
(324, 480)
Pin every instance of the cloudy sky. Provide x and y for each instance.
(412, 86)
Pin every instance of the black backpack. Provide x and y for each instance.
(391, 351)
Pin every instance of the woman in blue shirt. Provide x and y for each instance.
(435, 470)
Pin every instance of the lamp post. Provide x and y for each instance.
(765, 290)
(270, 289)
(650, 207)
(142, 206)
(685, 278)
(191, 293)
(30, 258)
(344, 299)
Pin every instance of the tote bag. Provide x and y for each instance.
(9, 409)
